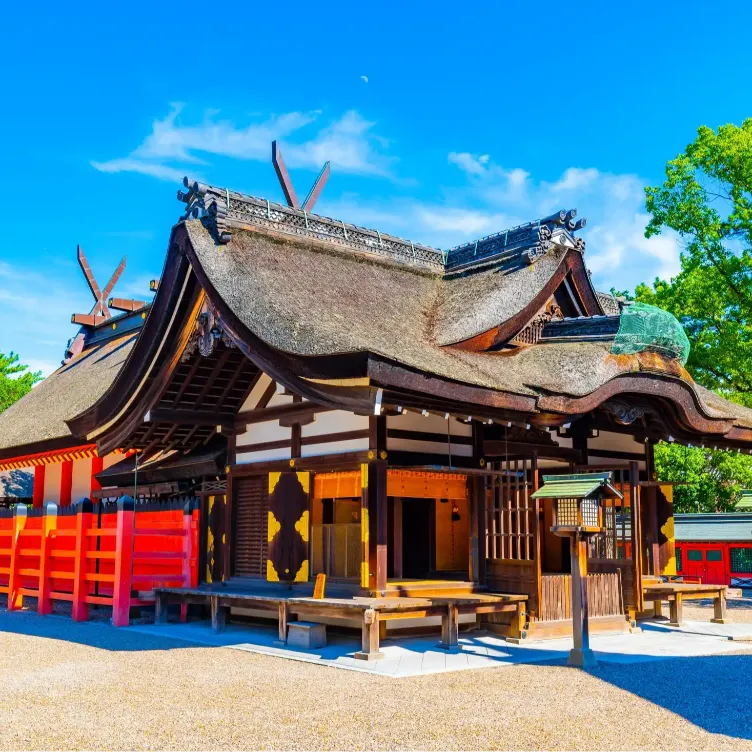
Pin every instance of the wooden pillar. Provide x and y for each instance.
(377, 526)
(636, 523)
(97, 465)
(477, 507)
(581, 654)
(38, 497)
(223, 536)
(66, 483)
(376, 503)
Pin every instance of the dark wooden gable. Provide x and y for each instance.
(204, 392)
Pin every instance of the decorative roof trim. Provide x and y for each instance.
(220, 209)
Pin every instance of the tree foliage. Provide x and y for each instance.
(715, 479)
(15, 379)
(707, 200)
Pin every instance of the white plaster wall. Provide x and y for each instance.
(336, 447)
(334, 422)
(52, 482)
(81, 486)
(430, 423)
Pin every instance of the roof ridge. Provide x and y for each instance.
(222, 209)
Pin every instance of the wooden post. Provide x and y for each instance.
(377, 526)
(218, 614)
(719, 606)
(160, 608)
(450, 628)
(676, 610)
(15, 599)
(369, 637)
(636, 523)
(66, 482)
(124, 537)
(581, 655)
(49, 524)
(38, 497)
(477, 506)
(80, 569)
(283, 612)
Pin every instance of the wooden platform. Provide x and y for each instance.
(372, 612)
(678, 592)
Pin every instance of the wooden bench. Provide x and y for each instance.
(372, 612)
(678, 592)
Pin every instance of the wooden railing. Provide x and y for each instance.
(604, 596)
(109, 555)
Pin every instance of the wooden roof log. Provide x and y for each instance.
(124, 304)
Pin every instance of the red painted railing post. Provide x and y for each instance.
(81, 561)
(124, 538)
(189, 554)
(195, 543)
(15, 599)
(47, 541)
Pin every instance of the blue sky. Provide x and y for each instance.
(473, 118)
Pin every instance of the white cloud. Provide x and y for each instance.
(174, 148)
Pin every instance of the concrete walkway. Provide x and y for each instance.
(418, 656)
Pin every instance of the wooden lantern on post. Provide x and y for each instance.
(578, 515)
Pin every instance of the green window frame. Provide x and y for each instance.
(694, 555)
(714, 554)
(679, 565)
(741, 559)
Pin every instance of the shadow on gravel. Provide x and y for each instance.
(710, 691)
(96, 633)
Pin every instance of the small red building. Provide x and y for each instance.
(715, 547)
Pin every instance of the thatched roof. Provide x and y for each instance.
(41, 415)
(310, 298)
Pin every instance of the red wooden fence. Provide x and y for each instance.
(108, 554)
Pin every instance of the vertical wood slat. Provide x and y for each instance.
(251, 512)
(604, 596)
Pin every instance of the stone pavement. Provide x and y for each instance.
(417, 656)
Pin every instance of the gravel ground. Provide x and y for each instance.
(737, 609)
(82, 686)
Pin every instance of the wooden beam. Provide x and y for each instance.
(501, 448)
(124, 304)
(261, 415)
(189, 417)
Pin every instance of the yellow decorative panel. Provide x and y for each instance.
(305, 481)
(273, 526)
(303, 573)
(302, 526)
(273, 480)
(271, 572)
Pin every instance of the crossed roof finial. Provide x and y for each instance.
(100, 312)
(286, 183)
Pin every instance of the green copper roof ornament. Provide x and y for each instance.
(644, 327)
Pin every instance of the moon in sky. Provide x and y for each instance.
(364, 79)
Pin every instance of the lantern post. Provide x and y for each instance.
(578, 515)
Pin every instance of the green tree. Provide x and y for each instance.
(715, 479)
(15, 380)
(706, 199)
